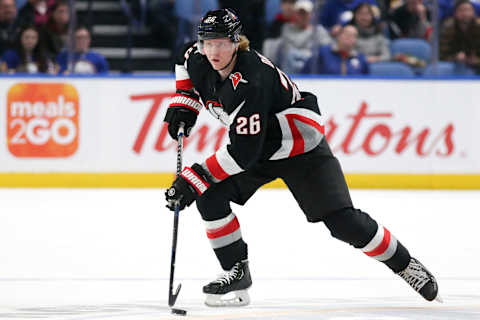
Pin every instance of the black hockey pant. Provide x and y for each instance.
(316, 181)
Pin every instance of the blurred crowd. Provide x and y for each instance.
(339, 37)
(35, 37)
(357, 37)
(345, 37)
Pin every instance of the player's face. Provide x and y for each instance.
(219, 52)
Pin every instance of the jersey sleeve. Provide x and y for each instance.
(182, 78)
(247, 132)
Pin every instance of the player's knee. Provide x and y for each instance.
(212, 207)
(352, 226)
(203, 203)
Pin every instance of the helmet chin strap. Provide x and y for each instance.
(231, 60)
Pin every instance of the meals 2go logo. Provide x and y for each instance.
(42, 120)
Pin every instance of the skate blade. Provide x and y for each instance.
(439, 298)
(242, 298)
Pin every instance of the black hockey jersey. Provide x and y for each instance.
(267, 116)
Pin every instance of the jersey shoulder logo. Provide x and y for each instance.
(236, 79)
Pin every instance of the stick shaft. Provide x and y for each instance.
(172, 297)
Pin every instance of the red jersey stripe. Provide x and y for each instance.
(229, 228)
(215, 168)
(309, 121)
(186, 84)
(298, 142)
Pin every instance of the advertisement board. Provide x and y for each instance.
(109, 132)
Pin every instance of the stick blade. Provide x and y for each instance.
(172, 298)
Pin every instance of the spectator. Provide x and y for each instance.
(187, 16)
(445, 7)
(339, 58)
(409, 21)
(57, 28)
(252, 15)
(460, 37)
(371, 39)
(300, 38)
(84, 60)
(29, 54)
(336, 13)
(331, 13)
(8, 26)
(35, 12)
(286, 15)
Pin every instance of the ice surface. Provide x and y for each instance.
(105, 254)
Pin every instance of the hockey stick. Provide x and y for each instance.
(172, 297)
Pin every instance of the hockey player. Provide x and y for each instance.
(275, 131)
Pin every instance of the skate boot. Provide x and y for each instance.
(232, 283)
(421, 280)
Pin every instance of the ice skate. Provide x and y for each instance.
(421, 280)
(232, 283)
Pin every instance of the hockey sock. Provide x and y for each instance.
(386, 248)
(226, 240)
(359, 230)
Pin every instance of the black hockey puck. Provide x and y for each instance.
(180, 312)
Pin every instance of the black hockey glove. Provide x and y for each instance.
(184, 107)
(187, 187)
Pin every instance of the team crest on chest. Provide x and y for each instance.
(236, 79)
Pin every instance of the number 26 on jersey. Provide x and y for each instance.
(248, 125)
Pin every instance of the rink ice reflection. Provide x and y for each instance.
(104, 254)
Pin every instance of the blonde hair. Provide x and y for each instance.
(244, 44)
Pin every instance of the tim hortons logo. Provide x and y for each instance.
(163, 142)
(425, 141)
(344, 135)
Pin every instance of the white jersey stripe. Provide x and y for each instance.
(231, 117)
(310, 135)
(181, 73)
(226, 161)
(287, 139)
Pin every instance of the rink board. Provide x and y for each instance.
(109, 132)
(164, 180)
